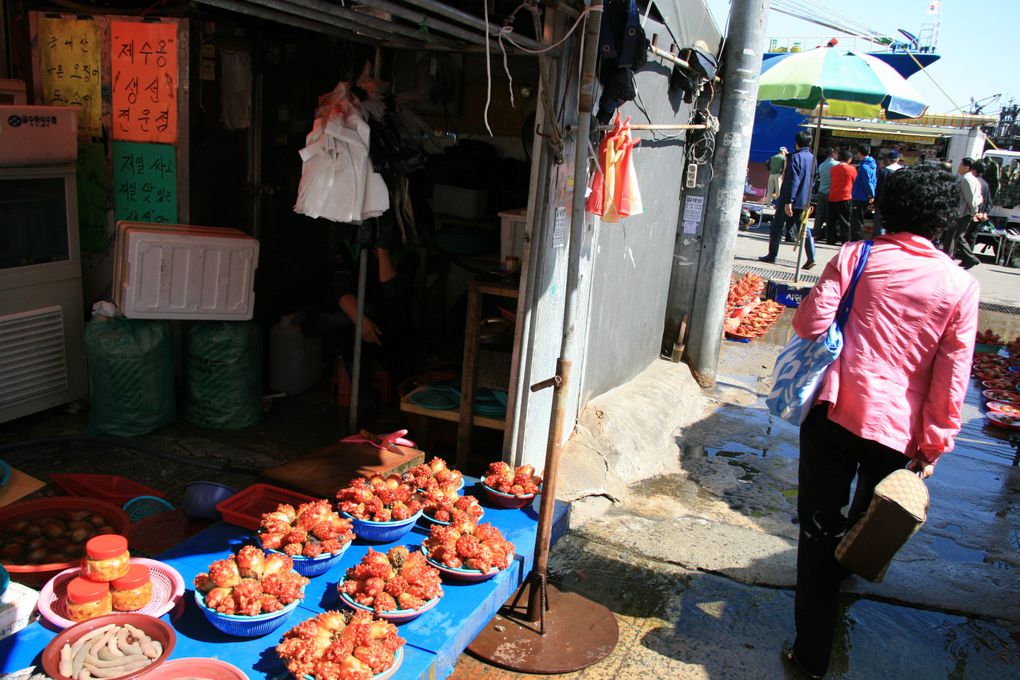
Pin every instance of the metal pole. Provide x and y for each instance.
(568, 344)
(359, 322)
(741, 70)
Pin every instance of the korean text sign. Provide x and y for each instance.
(70, 53)
(145, 182)
(143, 79)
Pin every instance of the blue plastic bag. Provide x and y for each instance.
(802, 364)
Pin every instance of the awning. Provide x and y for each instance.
(411, 24)
(856, 128)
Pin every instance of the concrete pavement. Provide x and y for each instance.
(698, 562)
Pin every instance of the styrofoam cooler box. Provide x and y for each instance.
(513, 224)
(181, 274)
(30, 135)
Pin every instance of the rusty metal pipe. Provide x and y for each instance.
(546, 509)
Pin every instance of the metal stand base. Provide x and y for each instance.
(578, 634)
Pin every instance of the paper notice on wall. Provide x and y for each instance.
(143, 81)
(693, 207)
(69, 50)
(145, 182)
(92, 193)
(559, 238)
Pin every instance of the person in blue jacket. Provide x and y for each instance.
(794, 199)
(863, 192)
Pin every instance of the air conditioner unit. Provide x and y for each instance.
(42, 348)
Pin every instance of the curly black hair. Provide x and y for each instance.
(920, 199)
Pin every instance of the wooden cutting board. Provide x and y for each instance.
(323, 472)
(19, 486)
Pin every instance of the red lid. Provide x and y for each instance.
(81, 590)
(137, 576)
(106, 547)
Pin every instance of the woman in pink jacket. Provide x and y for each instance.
(894, 395)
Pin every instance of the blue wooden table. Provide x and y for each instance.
(434, 640)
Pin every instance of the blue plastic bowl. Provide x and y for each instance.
(246, 626)
(397, 616)
(382, 532)
(201, 499)
(459, 574)
(313, 566)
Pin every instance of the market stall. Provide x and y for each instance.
(433, 640)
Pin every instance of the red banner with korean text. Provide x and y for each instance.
(143, 77)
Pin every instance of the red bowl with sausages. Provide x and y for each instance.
(155, 629)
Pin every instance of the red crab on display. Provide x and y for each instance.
(521, 481)
(310, 531)
(379, 499)
(251, 583)
(440, 503)
(466, 545)
(398, 579)
(435, 472)
(333, 646)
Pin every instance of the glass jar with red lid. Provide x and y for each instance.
(133, 590)
(107, 557)
(87, 599)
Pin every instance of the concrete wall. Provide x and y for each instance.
(630, 261)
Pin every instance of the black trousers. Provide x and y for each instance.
(830, 458)
(782, 226)
(956, 244)
(821, 217)
(837, 227)
(857, 220)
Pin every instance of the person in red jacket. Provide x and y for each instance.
(837, 229)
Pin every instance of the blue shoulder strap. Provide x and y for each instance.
(845, 304)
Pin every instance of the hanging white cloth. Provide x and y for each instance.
(338, 181)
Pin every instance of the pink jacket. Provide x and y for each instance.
(908, 343)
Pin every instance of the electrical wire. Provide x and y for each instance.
(488, 70)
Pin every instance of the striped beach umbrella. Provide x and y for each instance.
(849, 83)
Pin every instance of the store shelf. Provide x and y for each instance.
(452, 415)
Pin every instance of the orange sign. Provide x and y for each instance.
(143, 68)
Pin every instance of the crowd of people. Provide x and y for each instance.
(849, 184)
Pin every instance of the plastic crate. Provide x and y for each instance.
(245, 509)
(110, 488)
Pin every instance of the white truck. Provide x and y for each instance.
(1000, 214)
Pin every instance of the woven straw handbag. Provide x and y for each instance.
(898, 509)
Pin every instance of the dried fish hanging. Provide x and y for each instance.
(615, 192)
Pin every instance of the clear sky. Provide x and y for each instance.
(977, 42)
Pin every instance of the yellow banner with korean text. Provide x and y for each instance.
(70, 52)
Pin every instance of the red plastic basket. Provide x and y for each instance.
(113, 488)
(245, 509)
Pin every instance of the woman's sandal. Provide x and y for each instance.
(791, 659)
